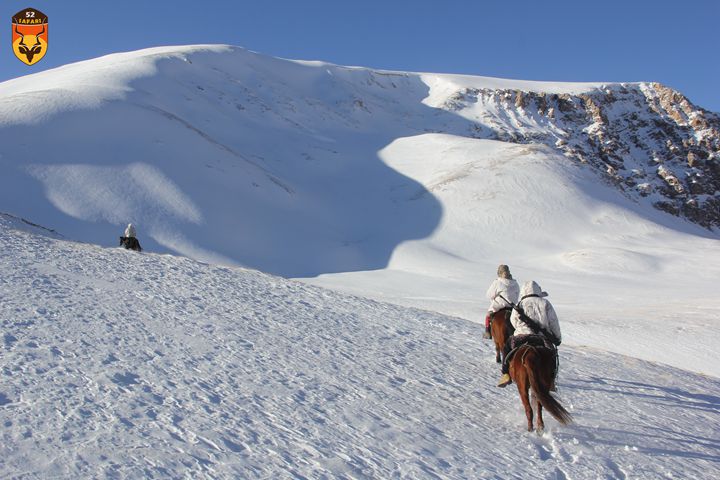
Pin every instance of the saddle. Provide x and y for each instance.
(534, 340)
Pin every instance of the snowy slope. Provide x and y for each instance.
(123, 365)
(622, 278)
(216, 153)
(404, 187)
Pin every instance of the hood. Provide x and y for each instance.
(531, 288)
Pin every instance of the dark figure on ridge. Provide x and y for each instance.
(129, 241)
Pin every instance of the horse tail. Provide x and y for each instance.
(543, 393)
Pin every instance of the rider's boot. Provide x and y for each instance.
(487, 333)
(505, 380)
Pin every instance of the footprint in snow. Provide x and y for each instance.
(126, 379)
(397, 381)
(110, 359)
(10, 340)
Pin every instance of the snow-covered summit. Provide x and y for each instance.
(116, 71)
(199, 145)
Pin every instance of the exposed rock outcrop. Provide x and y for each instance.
(648, 139)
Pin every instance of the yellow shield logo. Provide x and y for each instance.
(30, 35)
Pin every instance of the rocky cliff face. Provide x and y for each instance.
(648, 139)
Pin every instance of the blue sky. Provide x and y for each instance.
(672, 42)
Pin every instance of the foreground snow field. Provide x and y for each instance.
(123, 365)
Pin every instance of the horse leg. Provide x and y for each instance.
(540, 423)
(523, 388)
(498, 335)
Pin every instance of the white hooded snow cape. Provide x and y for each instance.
(537, 308)
(130, 230)
(508, 288)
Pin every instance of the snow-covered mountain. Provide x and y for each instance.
(123, 365)
(405, 187)
(229, 156)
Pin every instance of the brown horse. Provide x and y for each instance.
(532, 367)
(501, 330)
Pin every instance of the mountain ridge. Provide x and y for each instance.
(661, 147)
(199, 144)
